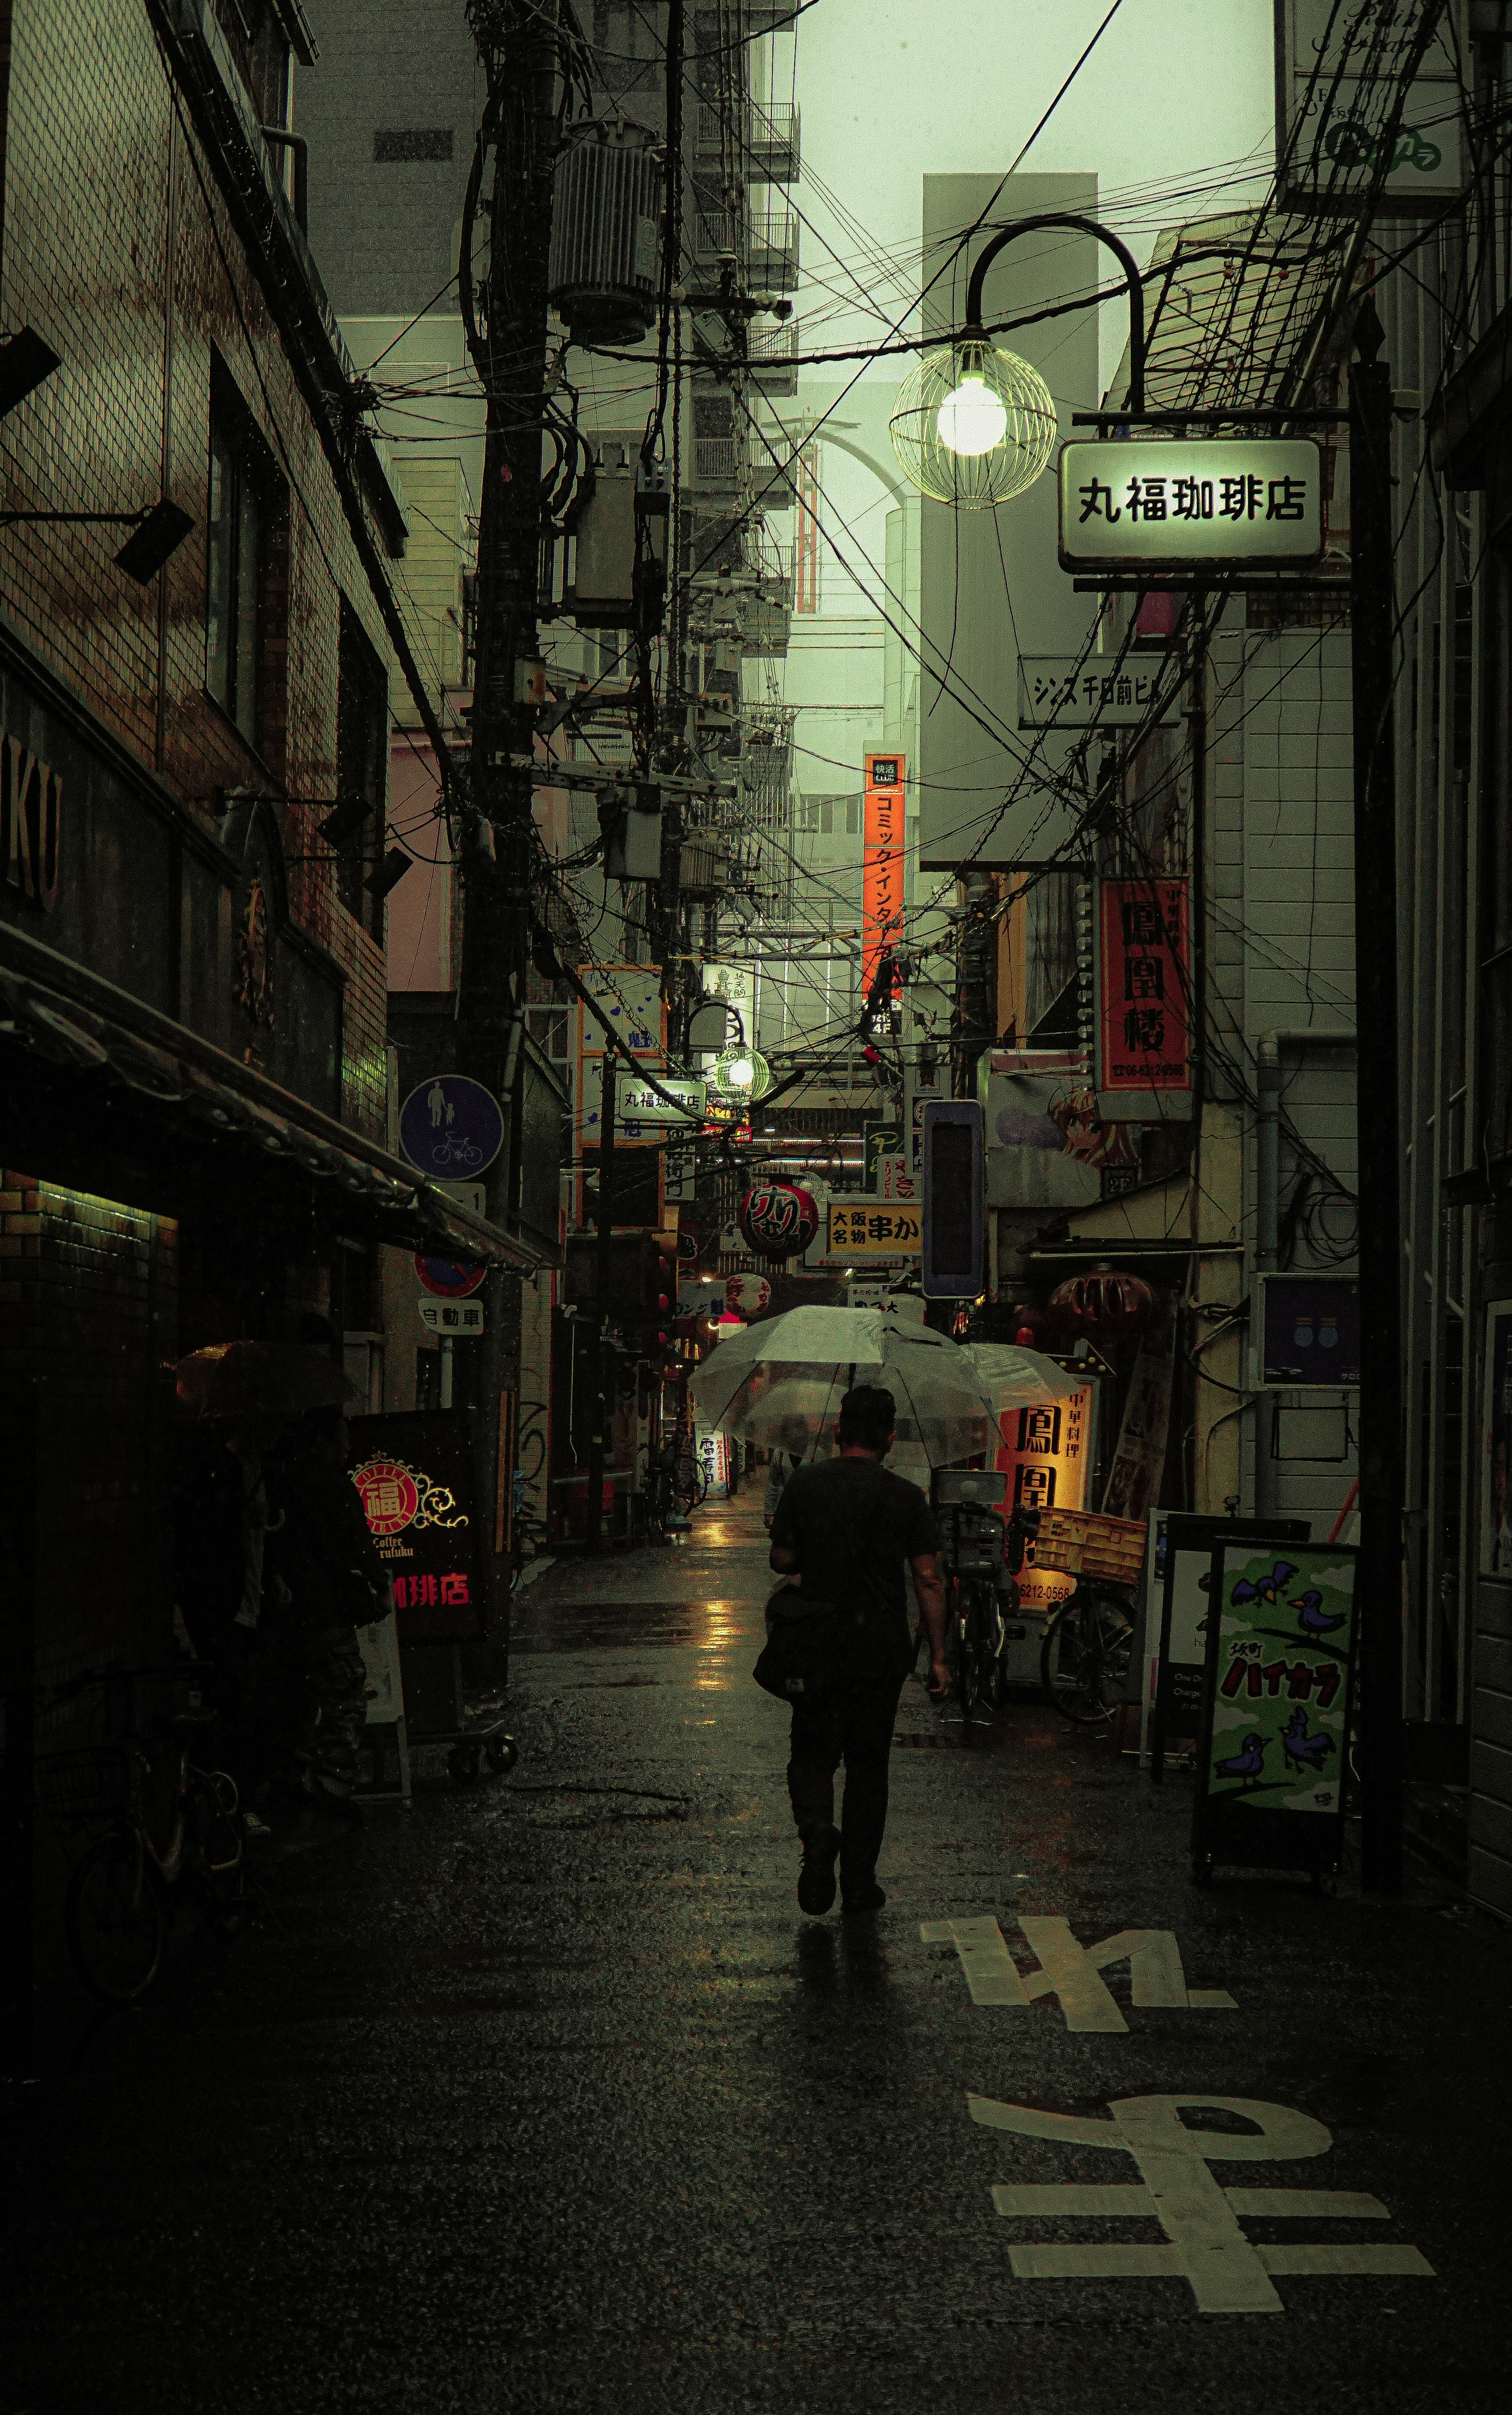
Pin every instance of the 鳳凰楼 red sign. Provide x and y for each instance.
(1144, 984)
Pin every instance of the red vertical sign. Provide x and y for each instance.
(882, 864)
(1145, 1040)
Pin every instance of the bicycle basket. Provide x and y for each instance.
(1079, 1543)
(97, 1782)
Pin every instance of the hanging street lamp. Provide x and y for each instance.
(742, 1075)
(974, 425)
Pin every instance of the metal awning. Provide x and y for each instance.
(61, 1016)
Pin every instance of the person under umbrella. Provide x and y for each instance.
(332, 1581)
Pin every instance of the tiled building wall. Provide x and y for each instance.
(88, 1332)
(119, 250)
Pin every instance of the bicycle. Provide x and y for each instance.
(690, 1480)
(984, 1553)
(119, 1902)
(1084, 1661)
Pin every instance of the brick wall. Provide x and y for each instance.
(88, 1325)
(119, 250)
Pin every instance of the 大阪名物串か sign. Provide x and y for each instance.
(865, 1230)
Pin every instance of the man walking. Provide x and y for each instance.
(846, 1527)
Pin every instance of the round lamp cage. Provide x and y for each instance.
(741, 1074)
(972, 426)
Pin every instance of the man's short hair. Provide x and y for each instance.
(867, 1417)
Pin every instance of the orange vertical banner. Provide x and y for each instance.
(882, 862)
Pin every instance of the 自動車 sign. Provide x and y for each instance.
(1197, 502)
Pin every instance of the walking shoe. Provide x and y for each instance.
(816, 1878)
(869, 1897)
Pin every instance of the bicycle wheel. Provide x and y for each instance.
(968, 1635)
(114, 1920)
(994, 1644)
(1084, 1662)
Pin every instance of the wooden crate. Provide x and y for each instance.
(1079, 1543)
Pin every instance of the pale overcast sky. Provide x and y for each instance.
(1173, 113)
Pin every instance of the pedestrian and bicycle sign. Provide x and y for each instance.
(451, 1128)
(1209, 503)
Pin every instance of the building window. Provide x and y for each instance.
(361, 766)
(243, 492)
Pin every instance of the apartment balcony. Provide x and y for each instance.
(761, 145)
(766, 244)
(773, 354)
(774, 253)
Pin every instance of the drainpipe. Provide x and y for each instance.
(1268, 1210)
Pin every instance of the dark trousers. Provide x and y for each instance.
(855, 1727)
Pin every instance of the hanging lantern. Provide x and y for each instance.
(747, 1294)
(779, 1219)
(1105, 1306)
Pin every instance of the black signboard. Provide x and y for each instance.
(1278, 1702)
(1184, 1546)
(415, 1474)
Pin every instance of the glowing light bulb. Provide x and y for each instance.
(971, 419)
(741, 1074)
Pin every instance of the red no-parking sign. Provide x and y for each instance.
(449, 1278)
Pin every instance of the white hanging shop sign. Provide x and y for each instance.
(1198, 504)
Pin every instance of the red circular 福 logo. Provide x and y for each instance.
(390, 1495)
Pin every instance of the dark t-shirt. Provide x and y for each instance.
(853, 1525)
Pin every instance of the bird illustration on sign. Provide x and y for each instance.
(1311, 1616)
(1269, 1588)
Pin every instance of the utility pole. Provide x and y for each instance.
(602, 1288)
(517, 41)
(1379, 1572)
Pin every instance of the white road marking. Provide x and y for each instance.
(991, 1973)
(1204, 2245)
(1069, 1972)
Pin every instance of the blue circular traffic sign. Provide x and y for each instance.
(450, 1128)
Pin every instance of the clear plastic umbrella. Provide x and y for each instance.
(800, 1366)
(1018, 1378)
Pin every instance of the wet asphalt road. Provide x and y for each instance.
(546, 2097)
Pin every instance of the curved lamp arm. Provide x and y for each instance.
(1005, 236)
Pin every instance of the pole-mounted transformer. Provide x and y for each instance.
(606, 227)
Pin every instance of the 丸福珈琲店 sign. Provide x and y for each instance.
(1067, 692)
(867, 1231)
(1199, 502)
(1145, 987)
(638, 1102)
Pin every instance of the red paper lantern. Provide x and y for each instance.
(747, 1294)
(1105, 1306)
(779, 1219)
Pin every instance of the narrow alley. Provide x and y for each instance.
(547, 2097)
